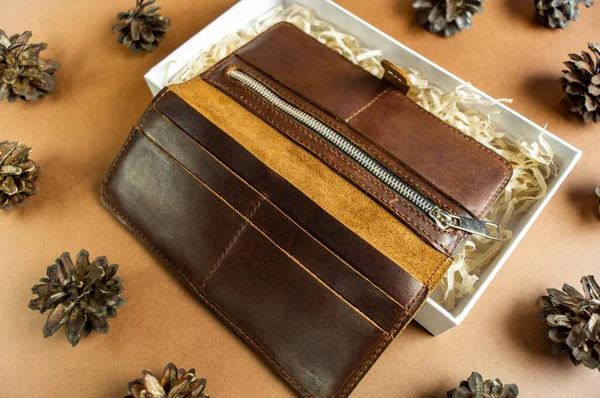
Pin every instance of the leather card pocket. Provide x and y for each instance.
(301, 324)
(288, 208)
(320, 322)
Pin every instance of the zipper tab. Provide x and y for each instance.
(446, 220)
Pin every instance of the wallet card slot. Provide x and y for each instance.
(195, 246)
(199, 162)
(311, 378)
(288, 311)
(349, 247)
(272, 300)
(330, 269)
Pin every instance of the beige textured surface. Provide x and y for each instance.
(77, 131)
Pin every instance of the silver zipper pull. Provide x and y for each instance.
(446, 220)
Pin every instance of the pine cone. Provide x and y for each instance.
(142, 28)
(82, 296)
(23, 74)
(475, 387)
(174, 383)
(574, 321)
(558, 13)
(447, 17)
(18, 175)
(581, 82)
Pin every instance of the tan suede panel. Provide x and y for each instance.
(324, 186)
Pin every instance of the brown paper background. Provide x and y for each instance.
(77, 131)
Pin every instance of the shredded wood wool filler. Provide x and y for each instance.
(533, 162)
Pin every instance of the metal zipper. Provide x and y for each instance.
(442, 218)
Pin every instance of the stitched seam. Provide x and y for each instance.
(185, 278)
(128, 141)
(366, 364)
(506, 166)
(328, 147)
(390, 204)
(444, 248)
(357, 67)
(505, 163)
(367, 105)
(248, 220)
(348, 265)
(199, 293)
(248, 44)
(346, 129)
(219, 312)
(231, 243)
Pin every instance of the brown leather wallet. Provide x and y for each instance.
(310, 205)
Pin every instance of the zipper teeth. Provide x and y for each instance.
(339, 141)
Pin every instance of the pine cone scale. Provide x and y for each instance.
(23, 74)
(574, 321)
(141, 28)
(75, 325)
(581, 83)
(174, 383)
(18, 174)
(82, 294)
(475, 387)
(58, 316)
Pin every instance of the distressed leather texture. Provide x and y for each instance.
(457, 173)
(315, 300)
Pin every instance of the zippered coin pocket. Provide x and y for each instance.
(438, 181)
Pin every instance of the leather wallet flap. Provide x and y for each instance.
(457, 166)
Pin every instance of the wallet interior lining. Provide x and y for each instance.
(333, 193)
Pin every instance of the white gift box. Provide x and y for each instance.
(432, 316)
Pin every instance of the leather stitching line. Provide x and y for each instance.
(128, 141)
(362, 368)
(506, 166)
(355, 139)
(231, 243)
(458, 235)
(334, 152)
(185, 278)
(380, 289)
(219, 312)
(248, 221)
(309, 135)
(367, 105)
